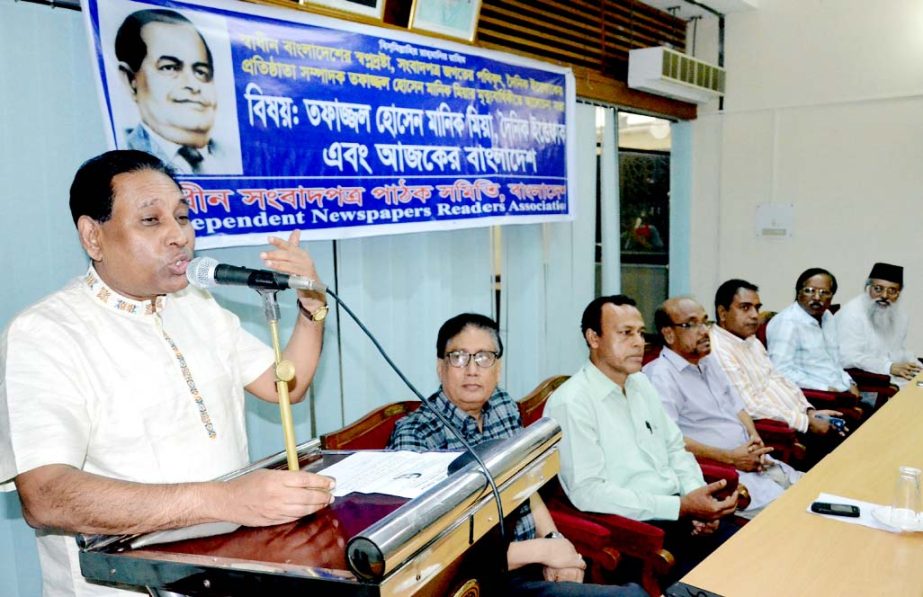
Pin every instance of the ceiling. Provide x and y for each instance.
(687, 10)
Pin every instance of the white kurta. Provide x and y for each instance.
(97, 381)
(866, 347)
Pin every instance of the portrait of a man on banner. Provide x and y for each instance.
(177, 90)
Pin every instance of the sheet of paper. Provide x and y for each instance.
(865, 517)
(404, 474)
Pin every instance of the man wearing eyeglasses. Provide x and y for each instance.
(621, 453)
(697, 395)
(542, 562)
(872, 328)
(802, 338)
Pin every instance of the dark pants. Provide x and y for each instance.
(528, 581)
(689, 549)
(818, 446)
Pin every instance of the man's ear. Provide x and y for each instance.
(721, 312)
(128, 76)
(440, 368)
(88, 230)
(669, 335)
(592, 338)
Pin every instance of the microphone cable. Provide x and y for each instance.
(203, 273)
(432, 409)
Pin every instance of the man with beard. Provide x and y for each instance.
(698, 396)
(802, 337)
(872, 328)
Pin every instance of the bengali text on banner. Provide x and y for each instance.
(277, 120)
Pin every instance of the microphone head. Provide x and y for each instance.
(201, 272)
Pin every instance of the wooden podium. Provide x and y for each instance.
(444, 542)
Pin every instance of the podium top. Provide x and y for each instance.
(301, 554)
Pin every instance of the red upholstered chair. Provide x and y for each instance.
(651, 351)
(533, 405)
(875, 383)
(603, 538)
(783, 439)
(372, 431)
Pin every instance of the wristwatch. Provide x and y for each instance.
(319, 315)
(554, 535)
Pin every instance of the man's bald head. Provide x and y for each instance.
(683, 324)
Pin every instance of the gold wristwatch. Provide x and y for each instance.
(319, 315)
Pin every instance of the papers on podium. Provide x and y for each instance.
(404, 474)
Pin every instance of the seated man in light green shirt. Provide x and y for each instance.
(621, 453)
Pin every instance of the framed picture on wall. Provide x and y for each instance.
(452, 18)
(369, 8)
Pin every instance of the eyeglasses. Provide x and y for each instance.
(484, 359)
(694, 325)
(890, 290)
(824, 294)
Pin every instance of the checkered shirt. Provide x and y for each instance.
(421, 431)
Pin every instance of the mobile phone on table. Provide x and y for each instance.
(835, 509)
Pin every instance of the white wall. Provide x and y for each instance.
(824, 111)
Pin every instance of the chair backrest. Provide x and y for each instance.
(372, 431)
(652, 351)
(533, 405)
(765, 317)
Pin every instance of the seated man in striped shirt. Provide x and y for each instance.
(766, 393)
(541, 561)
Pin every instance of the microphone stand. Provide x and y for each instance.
(285, 372)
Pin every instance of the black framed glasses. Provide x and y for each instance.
(694, 325)
(484, 359)
(822, 293)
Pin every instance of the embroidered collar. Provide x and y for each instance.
(116, 301)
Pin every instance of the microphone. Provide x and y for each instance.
(205, 272)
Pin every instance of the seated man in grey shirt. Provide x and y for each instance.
(697, 395)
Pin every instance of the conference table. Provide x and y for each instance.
(787, 550)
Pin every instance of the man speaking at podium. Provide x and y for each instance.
(542, 562)
(122, 394)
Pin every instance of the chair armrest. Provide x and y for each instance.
(868, 381)
(844, 402)
(631, 537)
(598, 536)
(782, 438)
(714, 471)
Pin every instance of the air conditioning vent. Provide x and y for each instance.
(663, 71)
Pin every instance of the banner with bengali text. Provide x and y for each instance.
(277, 120)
